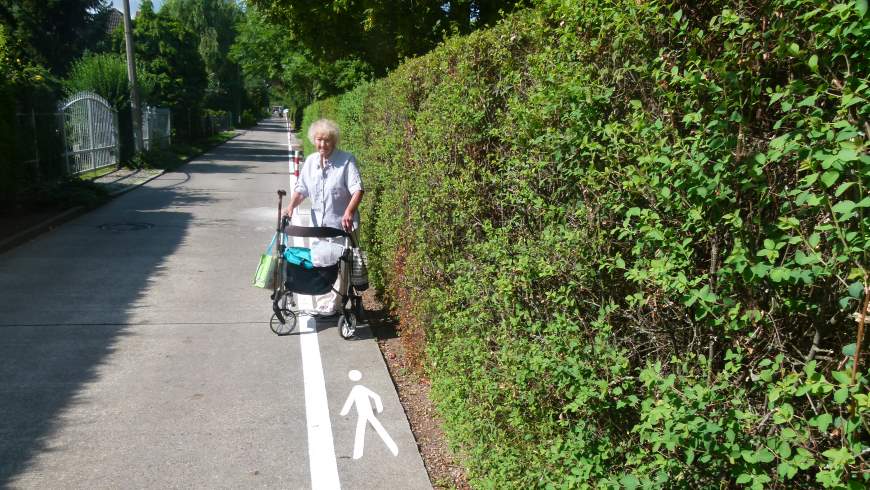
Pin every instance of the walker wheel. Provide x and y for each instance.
(287, 326)
(347, 324)
(357, 305)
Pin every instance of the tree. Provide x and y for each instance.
(169, 53)
(54, 33)
(380, 33)
(19, 79)
(270, 54)
(214, 22)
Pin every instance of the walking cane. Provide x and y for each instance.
(280, 248)
(284, 316)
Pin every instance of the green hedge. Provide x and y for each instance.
(632, 238)
(25, 89)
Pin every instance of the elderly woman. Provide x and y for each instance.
(331, 179)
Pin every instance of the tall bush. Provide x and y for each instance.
(633, 237)
(24, 89)
(106, 75)
(7, 117)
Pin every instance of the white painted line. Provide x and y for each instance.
(321, 448)
(290, 168)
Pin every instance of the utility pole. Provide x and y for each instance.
(131, 75)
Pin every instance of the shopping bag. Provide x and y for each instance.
(265, 275)
(299, 256)
(359, 274)
(325, 253)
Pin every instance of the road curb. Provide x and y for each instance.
(30, 233)
(34, 231)
(136, 183)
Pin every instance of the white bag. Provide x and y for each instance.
(324, 253)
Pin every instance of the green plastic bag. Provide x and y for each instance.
(265, 275)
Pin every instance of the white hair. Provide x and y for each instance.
(324, 127)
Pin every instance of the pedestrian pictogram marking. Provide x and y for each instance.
(362, 398)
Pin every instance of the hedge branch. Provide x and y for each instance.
(860, 338)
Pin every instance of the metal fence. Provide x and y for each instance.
(89, 126)
(156, 127)
(83, 135)
(37, 148)
(216, 122)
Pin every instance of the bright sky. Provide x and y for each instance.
(134, 5)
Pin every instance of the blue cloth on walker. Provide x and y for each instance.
(299, 256)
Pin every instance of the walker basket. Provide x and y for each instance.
(318, 280)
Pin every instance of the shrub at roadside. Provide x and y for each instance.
(632, 238)
(106, 75)
(20, 81)
(178, 154)
(64, 194)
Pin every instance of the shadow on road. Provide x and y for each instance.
(69, 297)
(66, 302)
(275, 124)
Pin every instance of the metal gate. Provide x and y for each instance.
(156, 127)
(90, 133)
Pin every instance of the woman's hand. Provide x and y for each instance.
(347, 221)
(350, 211)
(295, 200)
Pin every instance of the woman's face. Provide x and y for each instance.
(324, 144)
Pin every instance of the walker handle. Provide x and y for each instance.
(280, 249)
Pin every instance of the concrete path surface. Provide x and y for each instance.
(134, 352)
(126, 179)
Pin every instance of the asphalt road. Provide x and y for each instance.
(134, 352)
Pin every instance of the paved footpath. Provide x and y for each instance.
(134, 353)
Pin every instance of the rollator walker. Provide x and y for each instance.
(304, 278)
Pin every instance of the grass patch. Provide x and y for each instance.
(180, 153)
(97, 173)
